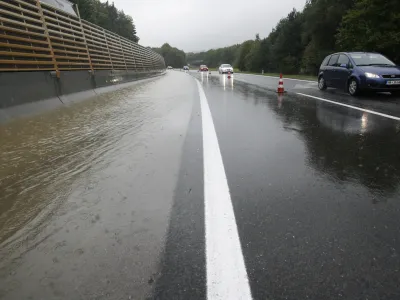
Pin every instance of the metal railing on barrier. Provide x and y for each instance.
(36, 36)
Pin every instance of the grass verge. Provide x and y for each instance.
(302, 77)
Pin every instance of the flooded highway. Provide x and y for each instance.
(75, 190)
(42, 156)
(196, 186)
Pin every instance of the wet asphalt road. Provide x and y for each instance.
(105, 199)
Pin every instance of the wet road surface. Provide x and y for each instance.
(86, 192)
(381, 103)
(112, 199)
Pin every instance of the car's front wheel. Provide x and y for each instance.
(353, 87)
(321, 83)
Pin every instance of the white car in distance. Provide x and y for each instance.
(225, 68)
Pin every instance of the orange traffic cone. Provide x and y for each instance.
(281, 89)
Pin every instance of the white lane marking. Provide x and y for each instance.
(353, 107)
(226, 271)
(278, 77)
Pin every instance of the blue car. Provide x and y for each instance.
(356, 72)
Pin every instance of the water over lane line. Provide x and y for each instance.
(350, 106)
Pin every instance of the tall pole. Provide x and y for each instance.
(84, 38)
(46, 32)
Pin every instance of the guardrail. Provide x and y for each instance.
(35, 36)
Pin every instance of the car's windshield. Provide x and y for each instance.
(226, 66)
(370, 59)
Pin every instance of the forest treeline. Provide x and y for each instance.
(107, 16)
(172, 56)
(301, 40)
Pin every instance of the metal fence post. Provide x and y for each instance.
(108, 49)
(84, 38)
(133, 56)
(46, 31)
(123, 54)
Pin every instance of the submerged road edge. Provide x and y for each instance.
(28, 109)
(226, 272)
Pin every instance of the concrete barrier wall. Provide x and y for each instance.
(24, 93)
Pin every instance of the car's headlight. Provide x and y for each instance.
(371, 75)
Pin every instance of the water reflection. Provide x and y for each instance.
(42, 156)
(227, 82)
(342, 119)
(346, 144)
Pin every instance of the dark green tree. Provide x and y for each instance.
(214, 57)
(287, 48)
(173, 57)
(253, 59)
(372, 25)
(321, 20)
(300, 41)
(107, 16)
(244, 52)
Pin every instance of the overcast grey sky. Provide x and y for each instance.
(196, 25)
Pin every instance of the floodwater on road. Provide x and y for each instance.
(104, 199)
(42, 156)
(75, 185)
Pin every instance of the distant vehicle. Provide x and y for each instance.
(356, 72)
(203, 68)
(169, 68)
(186, 68)
(225, 68)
